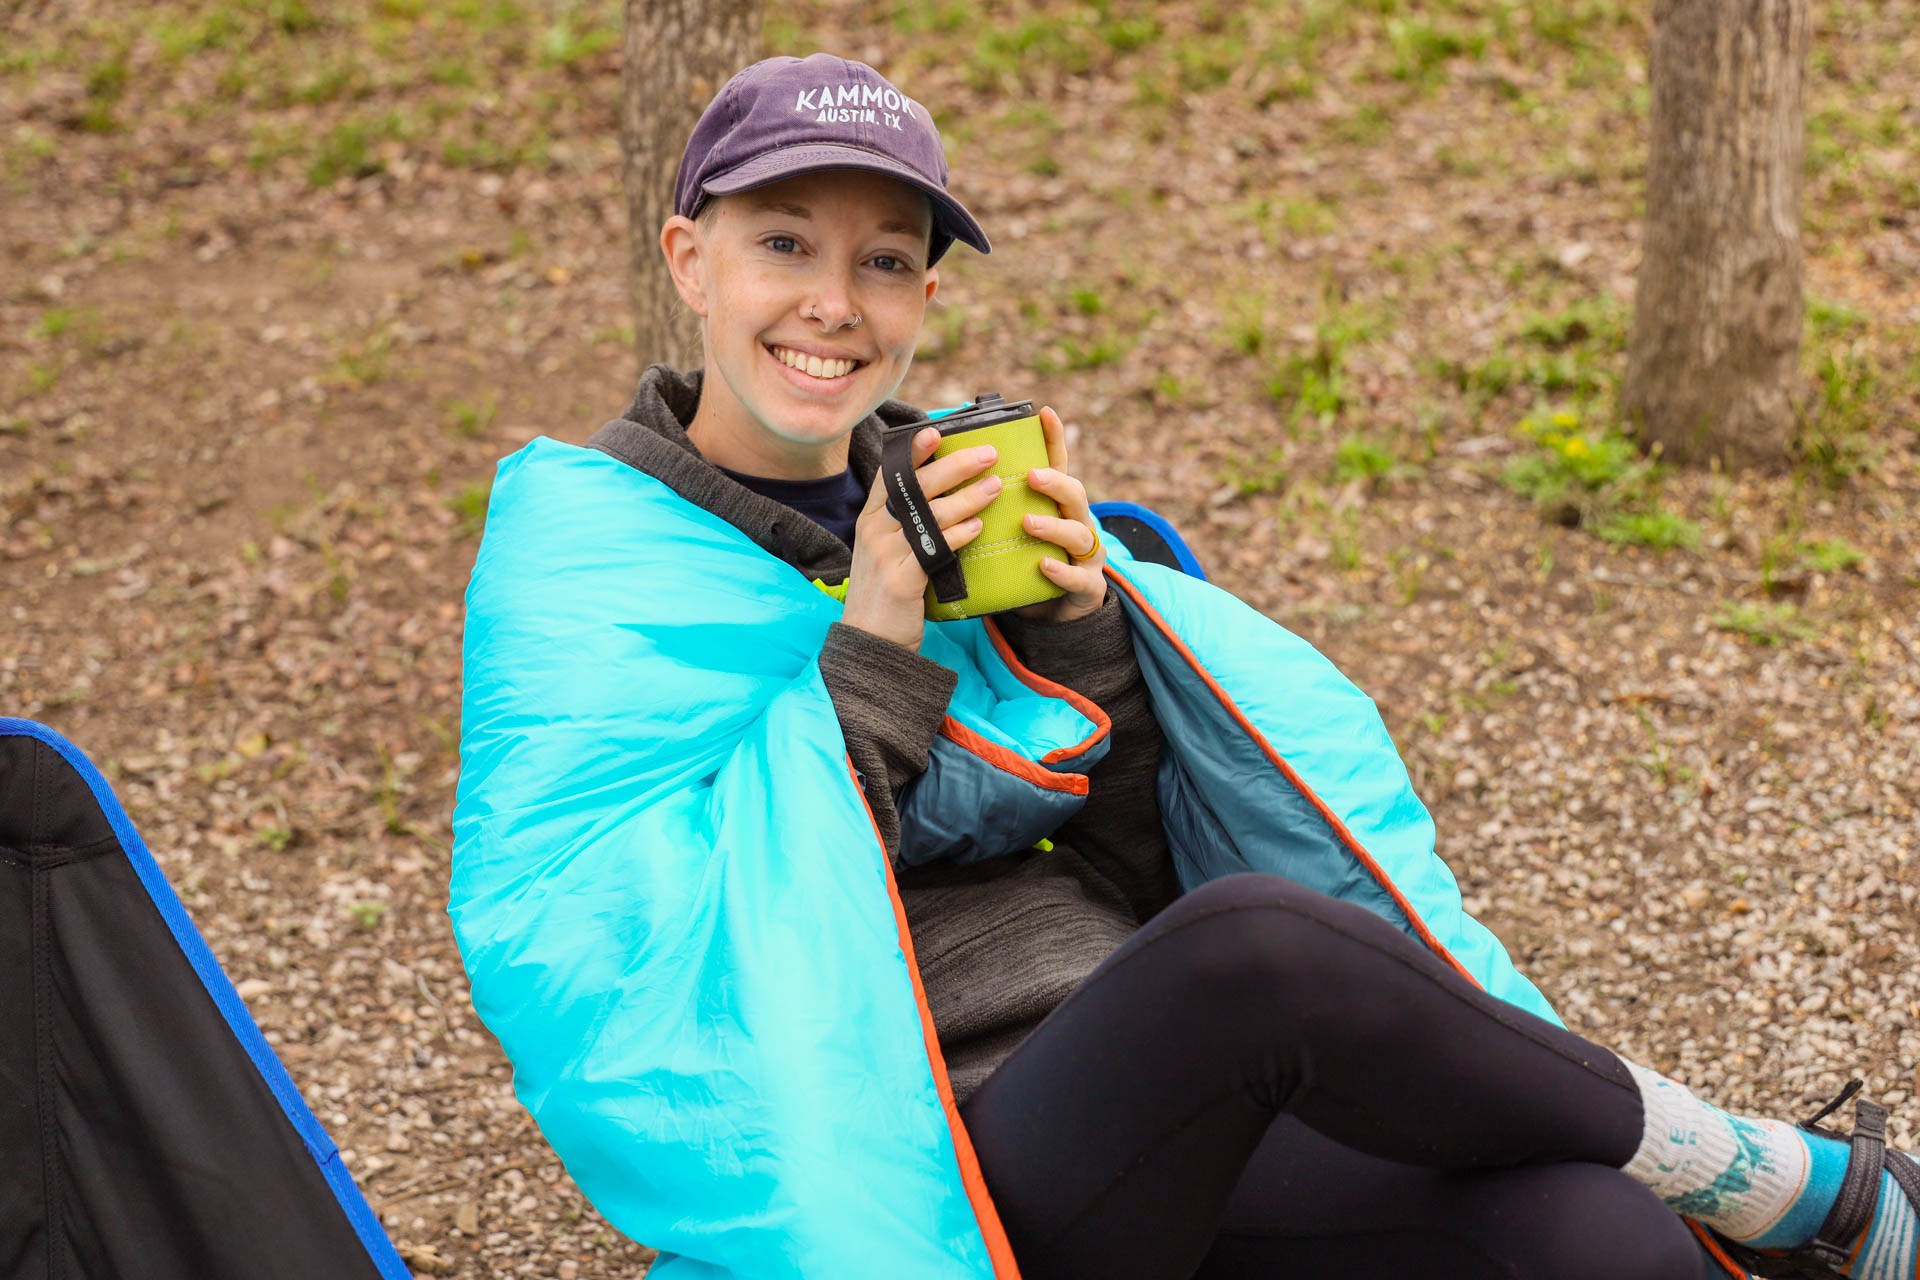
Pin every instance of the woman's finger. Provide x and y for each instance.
(1084, 581)
(1071, 536)
(969, 500)
(1063, 489)
(1055, 434)
(954, 470)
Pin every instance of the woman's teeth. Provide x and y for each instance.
(813, 366)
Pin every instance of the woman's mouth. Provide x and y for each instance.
(813, 371)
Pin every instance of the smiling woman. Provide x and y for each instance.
(1103, 936)
(811, 291)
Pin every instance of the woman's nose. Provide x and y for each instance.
(832, 306)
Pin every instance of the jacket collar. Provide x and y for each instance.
(651, 436)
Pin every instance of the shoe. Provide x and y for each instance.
(1831, 1248)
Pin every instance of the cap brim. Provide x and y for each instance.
(790, 162)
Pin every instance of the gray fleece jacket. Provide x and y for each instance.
(1002, 941)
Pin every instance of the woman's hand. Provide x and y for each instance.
(1082, 573)
(886, 587)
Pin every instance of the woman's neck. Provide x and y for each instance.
(727, 435)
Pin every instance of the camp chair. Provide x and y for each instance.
(1149, 535)
(147, 1129)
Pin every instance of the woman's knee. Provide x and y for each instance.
(1255, 933)
(1244, 937)
(1587, 1222)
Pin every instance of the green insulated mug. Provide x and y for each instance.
(999, 569)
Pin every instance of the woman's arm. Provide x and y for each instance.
(890, 702)
(1118, 831)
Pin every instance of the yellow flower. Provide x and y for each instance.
(1576, 447)
(1565, 419)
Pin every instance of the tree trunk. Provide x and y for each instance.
(1714, 357)
(678, 53)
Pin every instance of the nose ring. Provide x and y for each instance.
(813, 314)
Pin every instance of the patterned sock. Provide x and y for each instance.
(1741, 1177)
(1761, 1182)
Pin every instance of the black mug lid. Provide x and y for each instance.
(987, 410)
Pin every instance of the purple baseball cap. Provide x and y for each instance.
(786, 116)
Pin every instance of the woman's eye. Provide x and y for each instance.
(783, 244)
(887, 262)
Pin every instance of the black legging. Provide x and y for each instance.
(1265, 1082)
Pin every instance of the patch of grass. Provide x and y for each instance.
(941, 17)
(1367, 459)
(55, 321)
(1310, 385)
(1830, 557)
(349, 149)
(1764, 624)
(1421, 50)
(1176, 391)
(1268, 475)
(1245, 330)
(1094, 354)
(106, 84)
(471, 418)
(1365, 125)
(470, 504)
(1827, 321)
(1660, 529)
(1574, 351)
(1596, 479)
(1600, 321)
(369, 913)
(1087, 301)
(1344, 549)
(565, 44)
(364, 362)
(1835, 439)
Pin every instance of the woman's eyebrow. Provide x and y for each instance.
(801, 211)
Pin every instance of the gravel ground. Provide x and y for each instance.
(247, 417)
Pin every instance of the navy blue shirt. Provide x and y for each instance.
(833, 503)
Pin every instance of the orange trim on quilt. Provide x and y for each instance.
(1018, 765)
(1078, 701)
(1327, 815)
(1719, 1255)
(984, 1212)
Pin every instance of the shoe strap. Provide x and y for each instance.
(1906, 1173)
(1859, 1190)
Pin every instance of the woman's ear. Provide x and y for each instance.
(681, 243)
(933, 281)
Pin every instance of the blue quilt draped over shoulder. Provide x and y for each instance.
(679, 921)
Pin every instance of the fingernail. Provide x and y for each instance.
(988, 453)
(1040, 475)
(991, 484)
(1033, 522)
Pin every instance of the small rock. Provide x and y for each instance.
(425, 1258)
(466, 1218)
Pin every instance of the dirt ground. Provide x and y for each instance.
(1341, 289)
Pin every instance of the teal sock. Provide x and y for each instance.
(1762, 1182)
(1809, 1209)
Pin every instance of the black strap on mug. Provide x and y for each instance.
(907, 503)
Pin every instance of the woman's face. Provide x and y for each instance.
(783, 271)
